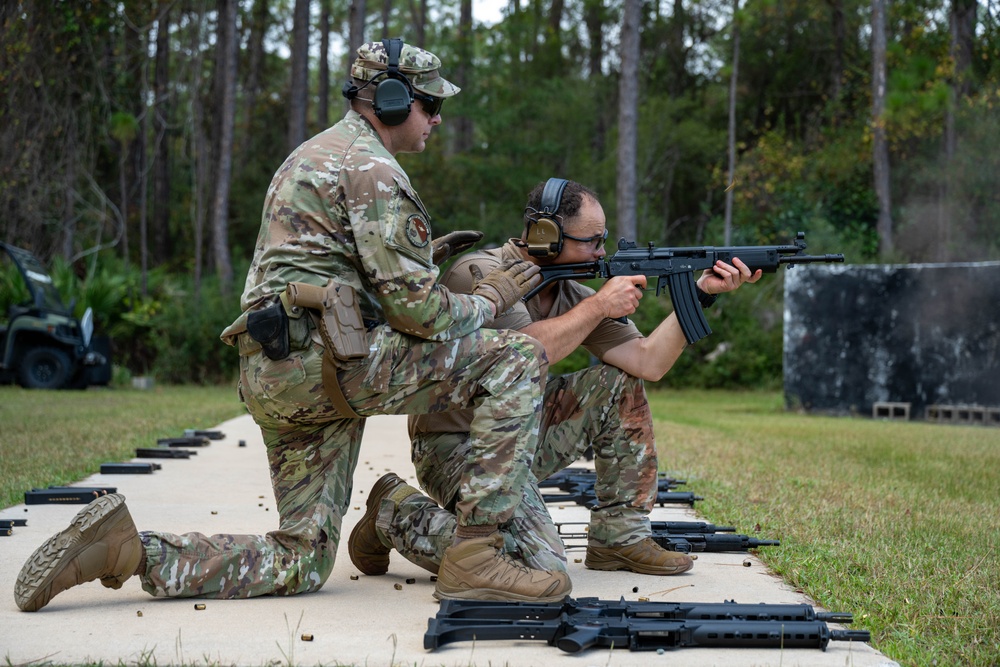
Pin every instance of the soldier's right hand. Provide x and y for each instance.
(619, 296)
(507, 283)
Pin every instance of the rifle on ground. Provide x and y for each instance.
(586, 495)
(574, 625)
(673, 269)
(567, 478)
(688, 536)
(686, 543)
(578, 484)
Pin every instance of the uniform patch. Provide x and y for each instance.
(417, 231)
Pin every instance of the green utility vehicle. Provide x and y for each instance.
(42, 345)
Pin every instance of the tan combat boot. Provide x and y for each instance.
(100, 543)
(476, 569)
(645, 557)
(365, 548)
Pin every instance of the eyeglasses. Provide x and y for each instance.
(432, 105)
(598, 239)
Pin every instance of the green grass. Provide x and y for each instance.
(895, 522)
(59, 437)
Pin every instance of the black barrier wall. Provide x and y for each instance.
(924, 334)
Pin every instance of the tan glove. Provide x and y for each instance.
(507, 283)
(453, 243)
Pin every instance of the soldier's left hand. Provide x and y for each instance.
(453, 243)
(727, 277)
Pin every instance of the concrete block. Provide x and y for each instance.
(891, 410)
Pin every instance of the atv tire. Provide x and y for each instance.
(45, 368)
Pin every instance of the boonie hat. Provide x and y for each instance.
(421, 68)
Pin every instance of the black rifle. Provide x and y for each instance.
(674, 270)
(188, 441)
(688, 542)
(578, 483)
(687, 536)
(568, 478)
(574, 625)
(585, 495)
(163, 453)
(688, 527)
(196, 433)
(129, 468)
(682, 542)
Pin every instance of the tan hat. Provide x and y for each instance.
(420, 67)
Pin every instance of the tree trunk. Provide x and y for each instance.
(161, 153)
(880, 144)
(837, 62)
(199, 154)
(386, 17)
(463, 124)
(962, 27)
(68, 212)
(356, 37)
(123, 162)
(255, 46)
(628, 121)
(226, 46)
(418, 13)
(143, 198)
(678, 51)
(323, 84)
(733, 78)
(594, 19)
(297, 96)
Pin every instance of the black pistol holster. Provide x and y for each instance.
(269, 327)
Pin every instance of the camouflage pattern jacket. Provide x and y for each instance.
(342, 208)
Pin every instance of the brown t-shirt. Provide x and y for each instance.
(458, 278)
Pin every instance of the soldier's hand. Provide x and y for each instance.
(453, 243)
(507, 283)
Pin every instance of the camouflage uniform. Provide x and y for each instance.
(602, 406)
(341, 208)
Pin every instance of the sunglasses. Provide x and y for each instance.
(598, 239)
(432, 105)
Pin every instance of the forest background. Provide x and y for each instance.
(138, 139)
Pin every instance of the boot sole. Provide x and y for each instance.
(88, 526)
(494, 595)
(382, 488)
(616, 564)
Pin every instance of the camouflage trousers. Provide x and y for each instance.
(313, 452)
(602, 406)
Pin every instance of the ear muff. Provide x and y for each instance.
(544, 237)
(393, 94)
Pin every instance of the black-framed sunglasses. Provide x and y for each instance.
(598, 239)
(432, 105)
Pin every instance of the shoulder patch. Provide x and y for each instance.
(417, 230)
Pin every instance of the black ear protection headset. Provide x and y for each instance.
(393, 94)
(544, 237)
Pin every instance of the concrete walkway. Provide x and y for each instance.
(354, 619)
